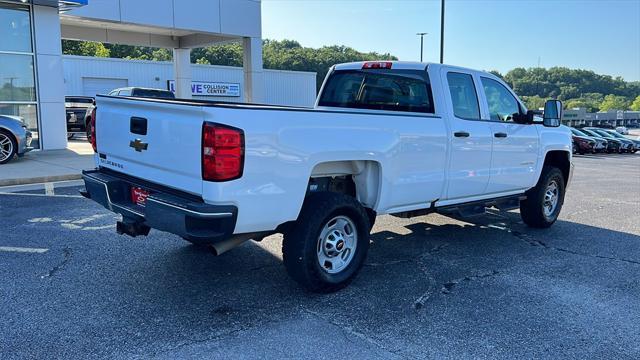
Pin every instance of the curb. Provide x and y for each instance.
(39, 179)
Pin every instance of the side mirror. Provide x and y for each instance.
(552, 113)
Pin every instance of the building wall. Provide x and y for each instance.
(293, 88)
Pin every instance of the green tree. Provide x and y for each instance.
(85, 48)
(497, 73)
(534, 102)
(614, 102)
(635, 106)
(162, 55)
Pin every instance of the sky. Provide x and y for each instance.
(598, 35)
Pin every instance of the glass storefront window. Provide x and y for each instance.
(15, 29)
(29, 115)
(16, 78)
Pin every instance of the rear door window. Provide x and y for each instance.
(379, 89)
(464, 97)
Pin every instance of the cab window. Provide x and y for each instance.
(463, 96)
(501, 103)
(391, 90)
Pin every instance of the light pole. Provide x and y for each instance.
(442, 32)
(422, 34)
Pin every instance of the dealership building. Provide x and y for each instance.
(580, 117)
(35, 76)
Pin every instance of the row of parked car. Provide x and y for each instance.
(591, 140)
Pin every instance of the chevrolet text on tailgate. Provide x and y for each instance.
(396, 138)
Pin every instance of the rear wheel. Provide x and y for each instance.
(8, 147)
(544, 201)
(326, 247)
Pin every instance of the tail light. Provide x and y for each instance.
(222, 152)
(92, 122)
(377, 65)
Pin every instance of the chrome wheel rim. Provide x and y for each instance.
(6, 147)
(551, 196)
(337, 244)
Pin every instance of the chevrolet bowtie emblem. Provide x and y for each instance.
(138, 145)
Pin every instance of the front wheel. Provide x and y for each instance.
(544, 201)
(326, 247)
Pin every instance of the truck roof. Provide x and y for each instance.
(403, 65)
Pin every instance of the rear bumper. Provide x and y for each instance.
(165, 209)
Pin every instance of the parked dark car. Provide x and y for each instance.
(626, 145)
(583, 144)
(613, 145)
(617, 135)
(600, 143)
(76, 109)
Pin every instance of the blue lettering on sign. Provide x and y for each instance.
(202, 88)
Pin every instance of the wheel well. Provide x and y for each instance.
(9, 132)
(357, 178)
(559, 159)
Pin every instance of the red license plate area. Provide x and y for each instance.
(139, 195)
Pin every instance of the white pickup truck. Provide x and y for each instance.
(396, 138)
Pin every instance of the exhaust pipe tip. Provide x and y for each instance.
(222, 247)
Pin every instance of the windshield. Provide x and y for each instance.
(615, 134)
(393, 90)
(590, 133)
(578, 132)
(604, 134)
(150, 93)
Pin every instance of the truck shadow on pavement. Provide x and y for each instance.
(421, 260)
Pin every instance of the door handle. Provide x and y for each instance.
(500, 135)
(461, 134)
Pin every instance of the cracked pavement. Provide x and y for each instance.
(432, 287)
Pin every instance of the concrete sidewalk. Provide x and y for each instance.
(48, 166)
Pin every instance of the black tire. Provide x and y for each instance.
(300, 246)
(532, 209)
(12, 151)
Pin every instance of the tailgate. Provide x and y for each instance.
(156, 141)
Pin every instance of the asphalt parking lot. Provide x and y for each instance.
(433, 287)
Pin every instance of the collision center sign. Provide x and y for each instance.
(204, 88)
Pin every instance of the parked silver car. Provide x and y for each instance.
(15, 139)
